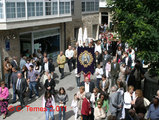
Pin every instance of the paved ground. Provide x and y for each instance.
(68, 83)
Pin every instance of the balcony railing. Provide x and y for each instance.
(19, 10)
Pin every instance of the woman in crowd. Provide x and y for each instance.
(105, 105)
(122, 74)
(119, 54)
(108, 69)
(104, 84)
(49, 105)
(93, 100)
(129, 98)
(37, 68)
(80, 97)
(4, 94)
(62, 98)
(139, 103)
(50, 84)
(86, 107)
(99, 113)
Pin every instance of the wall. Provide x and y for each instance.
(88, 21)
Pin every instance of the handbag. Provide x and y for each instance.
(146, 102)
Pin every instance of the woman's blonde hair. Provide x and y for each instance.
(130, 88)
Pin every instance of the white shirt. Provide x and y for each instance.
(100, 71)
(18, 82)
(86, 87)
(98, 48)
(126, 60)
(128, 99)
(92, 99)
(69, 53)
(46, 66)
(15, 62)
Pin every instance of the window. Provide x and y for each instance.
(48, 8)
(20, 9)
(96, 6)
(88, 6)
(72, 7)
(31, 9)
(39, 9)
(61, 7)
(83, 7)
(91, 6)
(54, 8)
(10, 9)
(1, 10)
(67, 7)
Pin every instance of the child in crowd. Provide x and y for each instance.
(74, 105)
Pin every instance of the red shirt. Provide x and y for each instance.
(86, 108)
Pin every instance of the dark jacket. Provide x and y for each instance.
(14, 64)
(139, 106)
(50, 66)
(91, 86)
(51, 84)
(129, 61)
(115, 71)
(23, 85)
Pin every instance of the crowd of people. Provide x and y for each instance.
(116, 93)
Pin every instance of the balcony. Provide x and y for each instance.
(35, 12)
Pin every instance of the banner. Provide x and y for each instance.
(85, 60)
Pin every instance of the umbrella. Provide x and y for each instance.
(80, 42)
(85, 37)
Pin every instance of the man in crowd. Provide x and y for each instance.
(115, 69)
(48, 66)
(153, 112)
(14, 62)
(14, 78)
(7, 71)
(127, 60)
(22, 62)
(33, 77)
(74, 57)
(61, 60)
(106, 58)
(69, 55)
(21, 88)
(89, 85)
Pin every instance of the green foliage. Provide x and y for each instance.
(138, 23)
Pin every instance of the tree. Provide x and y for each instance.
(137, 21)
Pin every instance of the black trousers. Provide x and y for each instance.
(74, 63)
(85, 117)
(21, 97)
(61, 70)
(69, 61)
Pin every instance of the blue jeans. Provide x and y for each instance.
(62, 109)
(98, 81)
(51, 112)
(14, 92)
(33, 86)
(78, 81)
